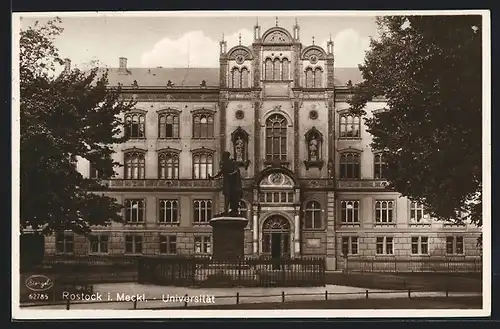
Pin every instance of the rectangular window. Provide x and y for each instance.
(385, 246)
(168, 244)
(169, 212)
(455, 245)
(133, 244)
(202, 244)
(419, 245)
(134, 211)
(98, 244)
(64, 243)
(349, 212)
(350, 245)
(202, 211)
(384, 212)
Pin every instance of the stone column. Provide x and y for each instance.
(296, 233)
(255, 232)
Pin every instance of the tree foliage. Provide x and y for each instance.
(64, 117)
(429, 70)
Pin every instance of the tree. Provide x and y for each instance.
(64, 117)
(429, 69)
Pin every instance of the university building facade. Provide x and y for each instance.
(312, 184)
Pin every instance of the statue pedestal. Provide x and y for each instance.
(228, 238)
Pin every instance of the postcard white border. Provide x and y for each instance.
(23, 313)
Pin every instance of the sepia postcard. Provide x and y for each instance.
(229, 164)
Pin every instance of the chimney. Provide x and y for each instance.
(123, 64)
(67, 65)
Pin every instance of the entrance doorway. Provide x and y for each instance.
(276, 237)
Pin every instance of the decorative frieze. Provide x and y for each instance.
(240, 95)
(168, 183)
(171, 97)
(361, 183)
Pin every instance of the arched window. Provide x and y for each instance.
(379, 166)
(168, 125)
(134, 211)
(203, 163)
(236, 79)
(244, 78)
(203, 126)
(350, 165)
(318, 75)
(269, 69)
(313, 215)
(349, 211)
(276, 141)
(168, 165)
(350, 126)
(202, 211)
(134, 165)
(285, 72)
(135, 125)
(309, 78)
(384, 211)
(277, 69)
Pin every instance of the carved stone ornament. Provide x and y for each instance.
(240, 114)
(240, 59)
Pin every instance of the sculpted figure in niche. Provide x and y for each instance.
(313, 149)
(239, 148)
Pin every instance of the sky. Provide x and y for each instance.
(171, 40)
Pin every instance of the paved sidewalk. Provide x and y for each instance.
(162, 297)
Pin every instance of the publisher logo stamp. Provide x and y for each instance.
(39, 282)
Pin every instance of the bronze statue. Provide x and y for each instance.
(231, 183)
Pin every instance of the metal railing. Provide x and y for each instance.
(395, 264)
(248, 271)
(186, 301)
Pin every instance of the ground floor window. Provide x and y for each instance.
(98, 244)
(203, 244)
(350, 245)
(455, 245)
(168, 244)
(64, 243)
(385, 246)
(419, 245)
(133, 244)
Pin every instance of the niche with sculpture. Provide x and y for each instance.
(314, 142)
(239, 139)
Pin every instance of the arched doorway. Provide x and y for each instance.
(276, 237)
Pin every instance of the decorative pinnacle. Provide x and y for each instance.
(256, 21)
(313, 39)
(239, 38)
(296, 21)
(330, 36)
(222, 36)
(276, 20)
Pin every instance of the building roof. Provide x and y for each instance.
(193, 77)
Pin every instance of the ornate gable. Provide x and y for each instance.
(313, 54)
(277, 35)
(240, 54)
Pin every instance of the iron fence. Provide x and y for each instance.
(245, 272)
(447, 265)
(241, 299)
